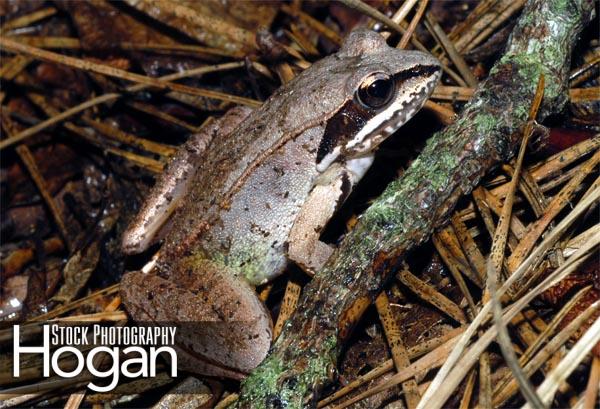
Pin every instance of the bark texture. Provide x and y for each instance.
(487, 132)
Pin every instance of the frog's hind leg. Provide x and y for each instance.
(149, 225)
(222, 327)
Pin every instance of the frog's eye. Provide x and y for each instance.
(376, 91)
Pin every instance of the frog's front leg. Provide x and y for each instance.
(222, 327)
(149, 225)
(330, 191)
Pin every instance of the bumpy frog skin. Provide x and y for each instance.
(253, 191)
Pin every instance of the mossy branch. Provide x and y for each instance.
(487, 132)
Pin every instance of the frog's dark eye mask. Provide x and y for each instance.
(381, 104)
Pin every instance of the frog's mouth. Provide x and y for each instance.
(356, 131)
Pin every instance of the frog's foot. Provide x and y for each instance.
(149, 225)
(222, 327)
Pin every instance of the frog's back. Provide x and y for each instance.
(251, 184)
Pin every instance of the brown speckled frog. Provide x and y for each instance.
(253, 192)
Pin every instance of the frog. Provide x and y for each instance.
(251, 193)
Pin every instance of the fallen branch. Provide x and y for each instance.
(486, 134)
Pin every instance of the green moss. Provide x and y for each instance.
(275, 385)
(562, 7)
(262, 382)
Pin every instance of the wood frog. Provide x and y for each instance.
(253, 191)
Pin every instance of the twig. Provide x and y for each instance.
(27, 19)
(30, 164)
(399, 352)
(454, 56)
(470, 385)
(553, 380)
(403, 11)
(413, 352)
(288, 306)
(406, 37)
(576, 76)
(558, 203)
(374, 14)
(591, 391)
(104, 99)
(75, 304)
(447, 378)
(432, 296)
(496, 258)
(429, 361)
(85, 65)
(532, 360)
(313, 23)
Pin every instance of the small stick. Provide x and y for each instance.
(453, 54)
(469, 247)
(374, 14)
(12, 68)
(466, 398)
(454, 93)
(576, 76)
(591, 391)
(31, 166)
(117, 134)
(413, 25)
(401, 14)
(107, 70)
(531, 190)
(445, 115)
(588, 94)
(403, 11)
(107, 98)
(433, 359)
(152, 110)
(496, 258)
(432, 296)
(485, 379)
(399, 353)
(288, 306)
(413, 352)
(313, 23)
(73, 43)
(447, 245)
(517, 227)
(27, 19)
(554, 207)
(144, 162)
(75, 304)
